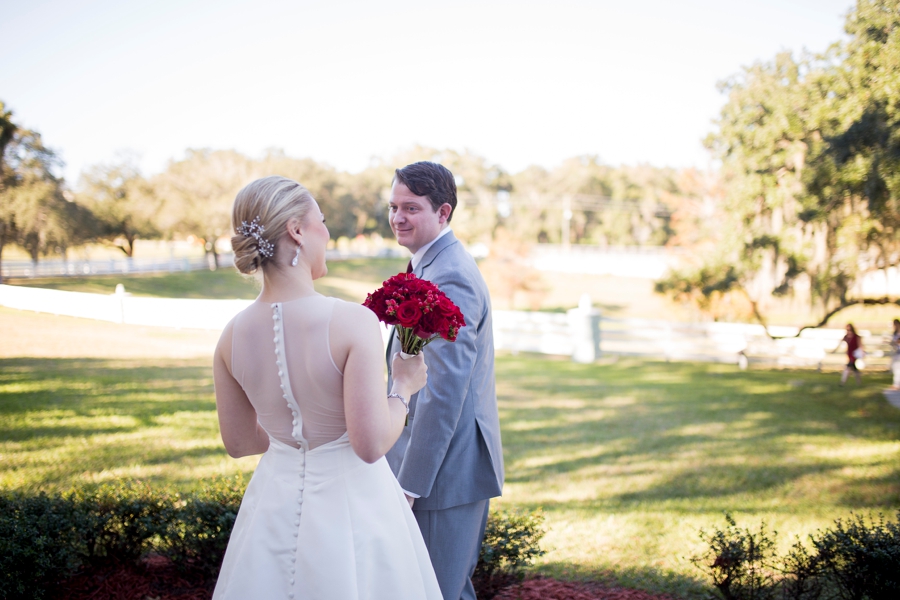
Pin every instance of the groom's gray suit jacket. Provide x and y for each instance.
(450, 453)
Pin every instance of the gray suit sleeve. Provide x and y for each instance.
(440, 404)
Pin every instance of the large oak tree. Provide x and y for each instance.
(810, 151)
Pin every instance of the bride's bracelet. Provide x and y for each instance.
(402, 399)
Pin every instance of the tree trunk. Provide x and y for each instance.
(4, 235)
(212, 257)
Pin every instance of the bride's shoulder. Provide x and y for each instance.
(223, 347)
(352, 311)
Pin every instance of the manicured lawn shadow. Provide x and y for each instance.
(69, 420)
(683, 431)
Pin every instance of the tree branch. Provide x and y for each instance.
(847, 304)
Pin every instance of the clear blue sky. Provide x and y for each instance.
(519, 82)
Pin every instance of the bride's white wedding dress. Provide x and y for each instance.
(316, 521)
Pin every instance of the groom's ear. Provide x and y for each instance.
(444, 211)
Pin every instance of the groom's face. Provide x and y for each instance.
(413, 220)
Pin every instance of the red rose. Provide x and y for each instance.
(437, 324)
(428, 325)
(450, 311)
(445, 304)
(409, 313)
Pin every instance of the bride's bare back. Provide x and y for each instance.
(315, 380)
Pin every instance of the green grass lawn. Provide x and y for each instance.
(628, 459)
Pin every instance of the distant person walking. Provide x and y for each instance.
(895, 356)
(854, 353)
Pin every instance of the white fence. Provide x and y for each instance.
(580, 333)
(734, 343)
(644, 262)
(740, 343)
(112, 266)
(121, 307)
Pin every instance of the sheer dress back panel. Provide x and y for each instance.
(316, 382)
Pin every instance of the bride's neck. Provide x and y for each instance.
(281, 285)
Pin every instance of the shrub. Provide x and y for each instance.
(510, 542)
(855, 560)
(201, 524)
(739, 561)
(801, 579)
(122, 520)
(39, 543)
(861, 559)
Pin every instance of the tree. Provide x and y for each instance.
(763, 137)
(122, 202)
(197, 194)
(344, 205)
(854, 182)
(33, 210)
(810, 150)
(589, 202)
(7, 133)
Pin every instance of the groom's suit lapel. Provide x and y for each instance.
(433, 252)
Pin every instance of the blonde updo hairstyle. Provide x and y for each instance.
(275, 200)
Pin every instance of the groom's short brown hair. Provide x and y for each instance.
(431, 180)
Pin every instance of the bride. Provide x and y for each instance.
(299, 377)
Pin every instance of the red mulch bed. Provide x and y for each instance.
(155, 578)
(544, 588)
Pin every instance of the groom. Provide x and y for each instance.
(448, 460)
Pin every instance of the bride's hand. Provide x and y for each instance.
(410, 373)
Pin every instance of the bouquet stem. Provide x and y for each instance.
(410, 343)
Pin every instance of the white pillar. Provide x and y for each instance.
(584, 327)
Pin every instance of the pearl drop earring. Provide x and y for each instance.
(296, 256)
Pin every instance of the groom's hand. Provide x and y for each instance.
(410, 499)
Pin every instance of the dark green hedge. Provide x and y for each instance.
(46, 538)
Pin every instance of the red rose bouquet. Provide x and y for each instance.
(421, 312)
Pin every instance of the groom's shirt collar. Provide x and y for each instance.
(420, 254)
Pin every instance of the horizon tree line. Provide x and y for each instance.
(806, 203)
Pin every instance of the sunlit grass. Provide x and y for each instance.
(66, 422)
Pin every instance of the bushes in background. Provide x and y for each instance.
(856, 559)
(46, 538)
